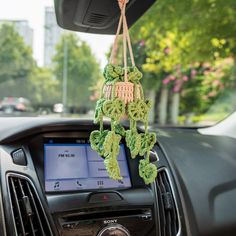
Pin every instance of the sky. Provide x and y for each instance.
(33, 11)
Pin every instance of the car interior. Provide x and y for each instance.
(194, 192)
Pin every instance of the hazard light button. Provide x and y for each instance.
(104, 197)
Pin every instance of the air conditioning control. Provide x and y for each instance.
(114, 229)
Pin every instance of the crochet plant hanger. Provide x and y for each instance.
(122, 96)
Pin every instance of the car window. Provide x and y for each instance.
(186, 51)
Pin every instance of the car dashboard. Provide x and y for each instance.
(194, 192)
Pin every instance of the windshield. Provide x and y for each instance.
(186, 51)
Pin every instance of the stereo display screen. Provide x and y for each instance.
(75, 166)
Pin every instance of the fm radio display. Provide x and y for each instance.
(75, 166)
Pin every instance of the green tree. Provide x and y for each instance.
(16, 61)
(209, 25)
(43, 88)
(16, 64)
(178, 34)
(83, 69)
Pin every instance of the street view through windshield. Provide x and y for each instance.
(185, 49)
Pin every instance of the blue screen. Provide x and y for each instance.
(77, 167)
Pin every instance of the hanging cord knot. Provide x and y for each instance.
(122, 3)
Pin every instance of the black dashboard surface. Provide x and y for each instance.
(203, 169)
(12, 128)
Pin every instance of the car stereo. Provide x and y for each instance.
(139, 222)
(71, 164)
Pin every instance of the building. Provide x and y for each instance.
(52, 34)
(23, 29)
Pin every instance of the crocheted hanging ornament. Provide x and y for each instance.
(122, 95)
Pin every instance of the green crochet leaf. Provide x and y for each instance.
(138, 110)
(112, 168)
(134, 75)
(111, 150)
(133, 142)
(97, 139)
(98, 110)
(119, 129)
(112, 144)
(148, 140)
(147, 171)
(142, 164)
(113, 72)
(114, 109)
(118, 70)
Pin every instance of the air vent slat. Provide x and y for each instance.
(172, 210)
(169, 223)
(16, 208)
(161, 211)
(32, 227)
(168, 226)
(29, 216)
(35, 208)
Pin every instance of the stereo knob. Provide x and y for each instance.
(114, 230)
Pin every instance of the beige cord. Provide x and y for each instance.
(124, 44)
(111, 60)
(126, 38)
(129, 43)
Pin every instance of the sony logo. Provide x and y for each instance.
(109, 221)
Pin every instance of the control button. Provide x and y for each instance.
(56, 185)
(115, 229)
(79, 184)
(68, 226)
(100, 183)
(19, 157)
(104, 197)
(146, 217)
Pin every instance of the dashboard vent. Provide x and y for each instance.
(169, 224)
(28, 213)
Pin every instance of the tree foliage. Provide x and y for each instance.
(43, 88)
(19, 74)
(187, 45)
(83, 69)
(16, 61)
(206, 26)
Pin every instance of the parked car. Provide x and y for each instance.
(15, 104)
